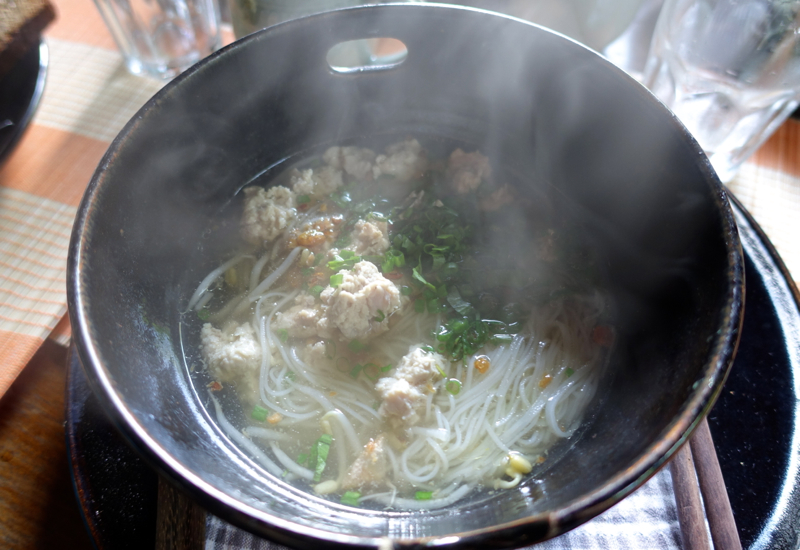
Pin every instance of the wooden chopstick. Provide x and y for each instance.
(687, 497)
(695, 470)
(715, 496)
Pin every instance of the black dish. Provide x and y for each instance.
(753, 423)
(613, 160)
(20, 92)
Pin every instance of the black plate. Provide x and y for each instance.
(754, 425)
(20, 92)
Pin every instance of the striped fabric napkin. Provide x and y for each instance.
(646, 520)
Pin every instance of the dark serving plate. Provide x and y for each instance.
(754, 425)
(20, 92)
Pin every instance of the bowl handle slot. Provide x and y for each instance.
(366, 55)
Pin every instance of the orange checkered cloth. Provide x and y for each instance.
(88, 97)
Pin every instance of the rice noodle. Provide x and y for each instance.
(539, 383)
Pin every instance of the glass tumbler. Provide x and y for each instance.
(162, 38)
(730, 71)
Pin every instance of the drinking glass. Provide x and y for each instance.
(730, 71)
(162, 37)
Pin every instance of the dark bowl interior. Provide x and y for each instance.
(614, 159)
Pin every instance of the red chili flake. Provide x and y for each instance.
(214, 386)
(603, 335)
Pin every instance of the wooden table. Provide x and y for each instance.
(38, 508)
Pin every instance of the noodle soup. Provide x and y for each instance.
(400, 329)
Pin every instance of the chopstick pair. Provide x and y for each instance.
(695, 469)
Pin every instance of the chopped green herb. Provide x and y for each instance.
(346, 259)
(341, 198)
(259, 413)
(303, 199)
(416, 274)
(423, 495)
(387, 368)
(307, 271)
(283, 335)
(302, 458)
(355, 371)
(406, 290)
(569, 372)
(315, 290)
(372, 371)
(453, 386)
(355, 346)
(337, 279)
(350, 498)
(204, 314)
(319, 455)
(379, 317)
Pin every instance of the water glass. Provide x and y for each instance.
(730, 71)
(162, 37)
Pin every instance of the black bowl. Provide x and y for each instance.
(611, 157)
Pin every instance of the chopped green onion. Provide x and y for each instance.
(387, 368)
(259, 413)
(315, 290)
(307, 271)
(376, 405)
(355, 371)
(379, 317)
(303, 199)
(337, 279)
(435, 306)
(406, 290)
(569, 372)
(423, 495)
(204, 314)
(341, 198)
(301, 459)
(453, 386)
(372, 371)
(355, 346)
(416, 274)
(319, 455)
(283, 335)
(350, 498)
